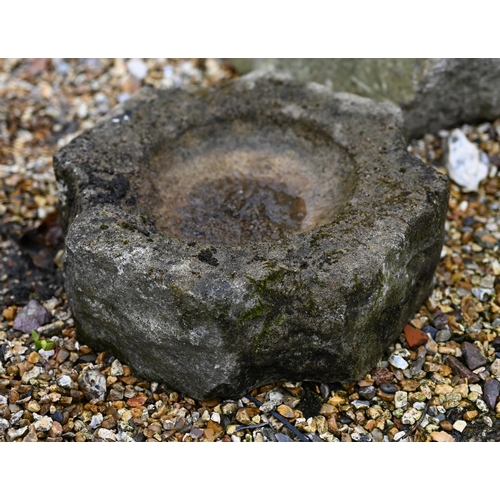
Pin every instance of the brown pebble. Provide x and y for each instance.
(388, 398)
(327, 410)
(410, 385)
(414, 337)
(139, 400)
(370, 425)
(9, 313)
(80, 437)
(24, 367)
(77, 396)
(461, 370)
(13, 397)
(33, 357)
(55, 430)
(31, 437)
(441, 437)
(210, 402)
(209, 434)
(62, 355)
(470, 415)
(382, 376)
(110, 423)
(445, 425)
(286, 411)
(332, 424)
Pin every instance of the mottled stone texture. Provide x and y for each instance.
(433, 93)
(354, 230)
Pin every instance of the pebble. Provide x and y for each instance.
(389, 388)
(430, 330)
(93, 384)
(116, 369)
(460, 425)
(324, 390)
(286, 411)
(137, 68)
(196, 433)
(367, 392)
(414, 337)
(106, 435)
(491, 391)
(466, 165)
(442, 437)
(398, 361)
(443, 335)
(65, 382)
(30, 375)
(96, 421)
(401, 399)
(43, 425)
(357, 403)
(473, 356)
(13, 434)
(495, 367)
(377, 435)
(461, 370)
(30, 317)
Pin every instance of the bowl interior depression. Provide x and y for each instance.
(233, 182)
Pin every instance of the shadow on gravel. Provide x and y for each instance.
(28, 261)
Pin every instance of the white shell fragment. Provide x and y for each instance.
(466, 165)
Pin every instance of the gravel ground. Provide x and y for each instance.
(440, 382)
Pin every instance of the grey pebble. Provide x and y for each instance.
(357, 403)
(283, 437)
(325, 390)
(367, 392)
(398, 361)
(377, 435)
(196, 433)
(65, 382)
(491, 391)
(13, 434)
(388, 388)
(14, 419)
(443, 335)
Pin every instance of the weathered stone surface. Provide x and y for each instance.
(433, 93)
(262, 231)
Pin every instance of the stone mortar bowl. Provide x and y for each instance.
(264, 230)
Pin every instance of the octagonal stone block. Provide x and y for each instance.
(260, 231)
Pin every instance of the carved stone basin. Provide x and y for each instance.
(261, 231)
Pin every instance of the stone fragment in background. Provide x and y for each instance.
(466, 165)
(434, 94)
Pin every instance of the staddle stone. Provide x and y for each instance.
(260, 231)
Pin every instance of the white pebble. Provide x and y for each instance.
(460, 425)
(466, 165)
(138, 68)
